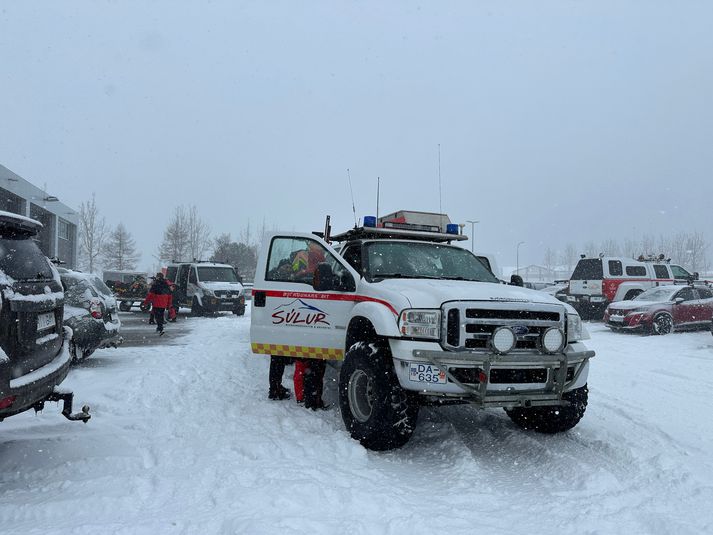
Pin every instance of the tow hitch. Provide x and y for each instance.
(67, 398)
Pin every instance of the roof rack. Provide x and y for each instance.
(660, 259)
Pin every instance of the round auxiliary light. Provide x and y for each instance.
(503, 339)
(552, 340)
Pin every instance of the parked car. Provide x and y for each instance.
(34, 346)
(90, 311)
(663, 309)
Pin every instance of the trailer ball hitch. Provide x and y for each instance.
(66, 398)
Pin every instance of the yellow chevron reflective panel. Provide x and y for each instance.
(324, 353)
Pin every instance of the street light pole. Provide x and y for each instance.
(472, 233)
(517, 253)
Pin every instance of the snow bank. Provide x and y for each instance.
(184, 440)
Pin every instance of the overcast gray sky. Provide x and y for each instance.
(559, 121)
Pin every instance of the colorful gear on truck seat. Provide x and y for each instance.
(324, 353)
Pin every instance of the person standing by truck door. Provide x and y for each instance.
(160, 299)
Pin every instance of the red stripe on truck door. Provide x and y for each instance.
(328, 297)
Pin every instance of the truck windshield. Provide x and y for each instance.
(423, 260)
(217, 274)
(21, 259)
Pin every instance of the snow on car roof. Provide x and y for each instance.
(19, 220)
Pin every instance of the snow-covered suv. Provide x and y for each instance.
(415, 319)
(34, 352)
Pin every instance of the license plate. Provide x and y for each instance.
(597, 299)
(426, 373)
(616, 319)
(45, 321)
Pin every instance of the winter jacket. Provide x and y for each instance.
(159, 294)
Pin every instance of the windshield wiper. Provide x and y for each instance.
(382, 276)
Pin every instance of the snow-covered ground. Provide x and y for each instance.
(184, 440)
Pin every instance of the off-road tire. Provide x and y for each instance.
(551, 420)
(386, 417)
(662, 324)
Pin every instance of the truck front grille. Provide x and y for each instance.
(469, 326)
(506, 375)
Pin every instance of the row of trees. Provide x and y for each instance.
(99, 244)
(187, 237)
(689, 249)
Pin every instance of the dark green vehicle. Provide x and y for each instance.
(34, 346)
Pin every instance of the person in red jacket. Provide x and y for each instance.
(160, 299)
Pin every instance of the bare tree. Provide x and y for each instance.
(120, 250)
(610, 247)
(697, 250)
(591, 248)
(92, 233)
(550, 259)
(648, 245)
(174, 247)
(199, 235)
(569, 257)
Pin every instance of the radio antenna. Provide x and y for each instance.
(378, 184)
(349, 176)
(440, 207)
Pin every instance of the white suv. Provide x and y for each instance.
(415, 319)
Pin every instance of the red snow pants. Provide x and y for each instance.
(299, 379)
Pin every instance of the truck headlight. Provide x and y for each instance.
(575, 331)
(420, 323)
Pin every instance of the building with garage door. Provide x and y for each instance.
(58, 237)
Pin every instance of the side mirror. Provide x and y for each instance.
(678, 300)
(516, 280)
(323, 278)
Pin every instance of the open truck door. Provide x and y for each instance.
(303, 293)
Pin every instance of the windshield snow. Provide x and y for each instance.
(217, 274)
(657, 294)
(21, 259)
(412, 260)
(78, 291)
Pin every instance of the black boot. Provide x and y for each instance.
(280, 393)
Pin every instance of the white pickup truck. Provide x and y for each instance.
(596, 282)
(413, 320)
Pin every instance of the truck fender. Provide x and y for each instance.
(383, 319)
(625, 287)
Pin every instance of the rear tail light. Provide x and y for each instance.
(95, 309)
(7, 402)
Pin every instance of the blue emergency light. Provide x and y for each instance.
(452, 228)
(370, 221)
